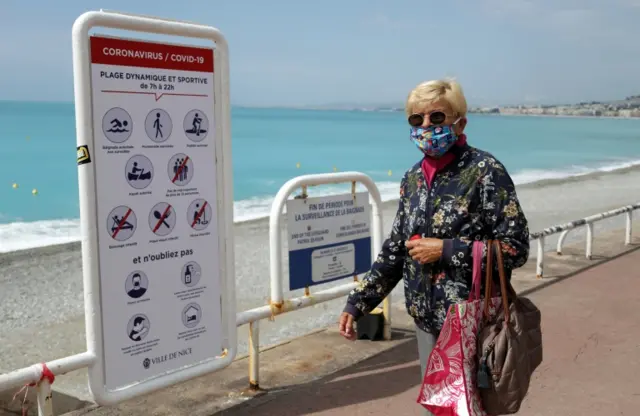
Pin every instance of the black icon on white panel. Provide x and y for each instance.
(138, 327)
(117, 125)
(180, 169)
(139, 171)
(190, 274)
(162, 219)
(146, 363)
(158, 125)
(191, 315)
(199, 214)
(136, 284)
(121, 223)
(196, 125)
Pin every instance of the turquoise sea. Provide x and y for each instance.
(39, 149)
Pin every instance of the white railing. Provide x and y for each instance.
(587, 222)
(37, 373)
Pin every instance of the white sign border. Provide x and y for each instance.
(88, 198)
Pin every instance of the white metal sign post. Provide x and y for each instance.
(155, 198)
(329, 238)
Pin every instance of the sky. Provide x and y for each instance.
(311, 53)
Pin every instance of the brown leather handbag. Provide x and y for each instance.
(509, 345)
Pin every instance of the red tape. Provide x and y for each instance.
(46, 373)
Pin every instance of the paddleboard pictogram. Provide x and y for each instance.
(196, 125)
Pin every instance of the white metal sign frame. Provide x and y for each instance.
(88, 199)
(275, 235)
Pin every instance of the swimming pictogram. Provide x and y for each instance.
(158, 125)
(162, 219)
(121, 223)
(136, 284)
(139, 171)
(196, 125)
(199, 214)
(190, 274)
(191, 315)
(117, 125)
(138, 327)
(180, 169)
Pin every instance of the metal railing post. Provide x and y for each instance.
(540, 258)
(628, 231)
(561, 242)
(589, 248)
(254, 355)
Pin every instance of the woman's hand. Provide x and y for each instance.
(425, 250)
(346, 326)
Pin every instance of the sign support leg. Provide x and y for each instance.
(386, 312)
(44, 397)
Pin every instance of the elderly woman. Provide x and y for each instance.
(454, 195)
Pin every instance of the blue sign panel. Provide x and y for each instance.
(315, 265)
(329, 238)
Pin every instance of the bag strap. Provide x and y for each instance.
(505, 285)
(506, 290)
(476, 282)
(488, 280)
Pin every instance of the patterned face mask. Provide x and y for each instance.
(434, 141)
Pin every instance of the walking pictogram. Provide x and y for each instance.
(196, 125)
(138, 327)
(190, 274)
(158, 125)
(199, 214)
(191, 315)
(121, 223)
(139, 171)
(162, 219)
(117, 125)
(136, 284)
(180, 169)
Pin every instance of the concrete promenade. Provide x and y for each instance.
(591, 330)
(591, 353)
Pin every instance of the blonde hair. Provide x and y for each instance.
(429, 92)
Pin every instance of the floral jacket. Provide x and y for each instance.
(472, 198)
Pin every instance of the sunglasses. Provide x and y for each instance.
(417, 120)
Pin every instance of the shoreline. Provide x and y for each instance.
(75, 245)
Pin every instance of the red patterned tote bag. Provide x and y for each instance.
(449, 385)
